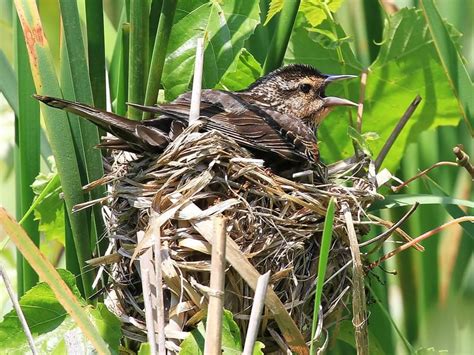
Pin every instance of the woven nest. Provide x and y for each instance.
(276, 223)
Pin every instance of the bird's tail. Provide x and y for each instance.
(131, 132)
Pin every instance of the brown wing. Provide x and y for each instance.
(248, 124)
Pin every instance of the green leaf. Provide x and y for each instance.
(193, 344)
(49, 208)
(42, 311)
(224, 25)
(452, 61)
(8, 84)
(314, 10)
(246, 71)
(50, 324)
(258, 348)
(274, 8)
(322, 267)
(408, 200)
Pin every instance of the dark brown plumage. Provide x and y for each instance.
(275, 117)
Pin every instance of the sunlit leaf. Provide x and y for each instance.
(246, 71)
(224, 25)
(274, 8)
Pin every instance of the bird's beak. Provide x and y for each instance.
(337, 101)
(331, 78)
(330, 101)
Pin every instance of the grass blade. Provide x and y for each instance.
(322, 266)
(58, 130)
(451, 59)
(96, 50)
(138, 62)
(8, 84)
(280, 39)
(83, 93)
(159, 53)
(49, 274)
(28, 148)
(423, 199)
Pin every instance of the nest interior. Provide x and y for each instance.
(276, 222)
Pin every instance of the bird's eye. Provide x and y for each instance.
(305, 88)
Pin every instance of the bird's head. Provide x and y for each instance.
(298, 91)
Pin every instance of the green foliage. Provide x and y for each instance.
(225, 26)
(241, 74)
(193, 344)
(50, 324)
(48, 206)
(407, 65)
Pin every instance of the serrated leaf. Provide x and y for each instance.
(225, 26)
(193, 344)
(274, 8)
(246, 71)
(49, 210)
(42, 311)
(314, 10)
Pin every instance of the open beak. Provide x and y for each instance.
(330, 101)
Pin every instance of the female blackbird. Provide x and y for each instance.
(275, 117)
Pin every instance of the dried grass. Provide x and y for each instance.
(276, 223)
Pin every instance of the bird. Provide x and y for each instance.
(276, 117)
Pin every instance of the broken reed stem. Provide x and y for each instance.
(383, 236)
(160, 308)
(360, 108)
(424, 172)
(256, 313)
(216, 294)
(18, 310)
(145, 262)
(197, 82)
(463, 159)
(419, 239)
(359, 320)
(396, 131)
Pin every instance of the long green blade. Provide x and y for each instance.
(58, 130)
(451, 59)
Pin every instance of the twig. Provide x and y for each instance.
(388, 232)
(160, 308)
(463, 159)
(359, 304)
(197, 82)
(420, 238)
(18, 310)
(424, 172)
(400, 231)
(360, 108)
(396, 131)
(256, 313)
(216, 295)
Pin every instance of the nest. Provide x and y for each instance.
(276, 223)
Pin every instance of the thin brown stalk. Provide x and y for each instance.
(463, 159)
(420, 238)
(396, 131)
(256, 313)
(360, 108)
(160, 308)
(385, 235)
(197, 82)
(359, 304)
(18, 310)
(145, 263)
(424, 172)
(399, 231)
(215, 309)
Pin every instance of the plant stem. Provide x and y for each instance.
(280, 39)
(159, 53)
(138, 58)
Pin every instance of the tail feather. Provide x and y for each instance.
(134, 133)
